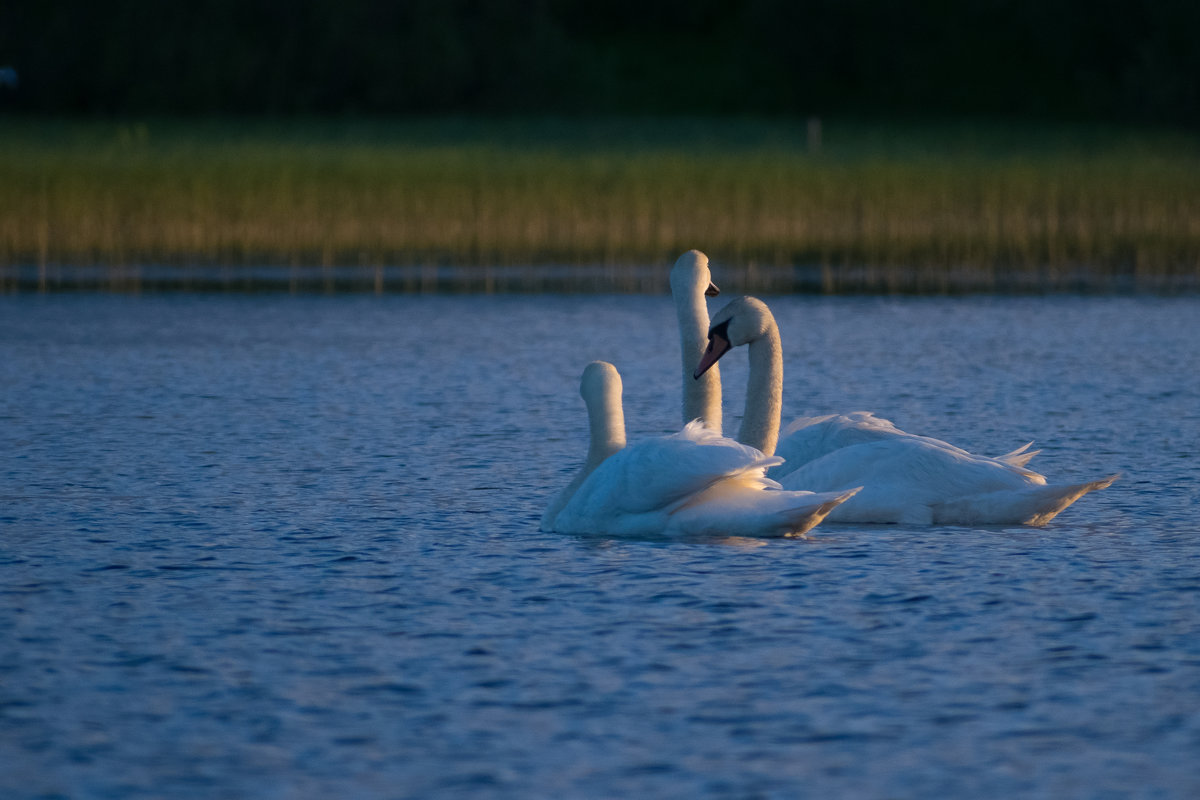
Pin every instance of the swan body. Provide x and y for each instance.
(695, 482)
(908, 479)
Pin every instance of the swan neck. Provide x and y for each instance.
(701, 397)
(764, 393)
(606, 435)
(606, 423)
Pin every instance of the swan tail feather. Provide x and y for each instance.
(1033, 506)
(1057, 498)
(756, 512)
(800, 520)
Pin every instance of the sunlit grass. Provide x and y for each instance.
(935, 199)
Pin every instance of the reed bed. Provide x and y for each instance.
(875, 207)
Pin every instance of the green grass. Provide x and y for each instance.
(934, 200)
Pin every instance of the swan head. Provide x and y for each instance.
(741, 321)
(601, 387)
(601, 383)
(691, 274)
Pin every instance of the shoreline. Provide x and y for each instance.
(872, 206)
(571, 279)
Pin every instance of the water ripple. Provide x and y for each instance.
(257, 547)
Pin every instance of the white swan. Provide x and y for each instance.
(600, 388)
(694, 482)
(806, 438)
(909, 479)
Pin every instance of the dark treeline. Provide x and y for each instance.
(1122, 60)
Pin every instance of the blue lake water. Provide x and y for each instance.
(274, 547)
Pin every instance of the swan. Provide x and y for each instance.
(600, 388)
(695, 482)
(908, 479)
(691, 283)
(805, 439)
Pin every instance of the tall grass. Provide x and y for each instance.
(875, 205)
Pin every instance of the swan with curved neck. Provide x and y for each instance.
(695, 482)
(748, 321)
(908, 479)
(691, 283)
(806, 438)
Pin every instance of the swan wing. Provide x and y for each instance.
(906, 478)
(809, 438)
(661, 472)
(637, 489)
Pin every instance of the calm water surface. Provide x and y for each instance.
(276, 547)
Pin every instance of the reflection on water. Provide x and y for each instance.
(274, 546)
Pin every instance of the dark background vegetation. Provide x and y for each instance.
(1066, 59)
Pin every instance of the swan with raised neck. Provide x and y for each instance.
(691, 483)
(600, 387)
(691, 283)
